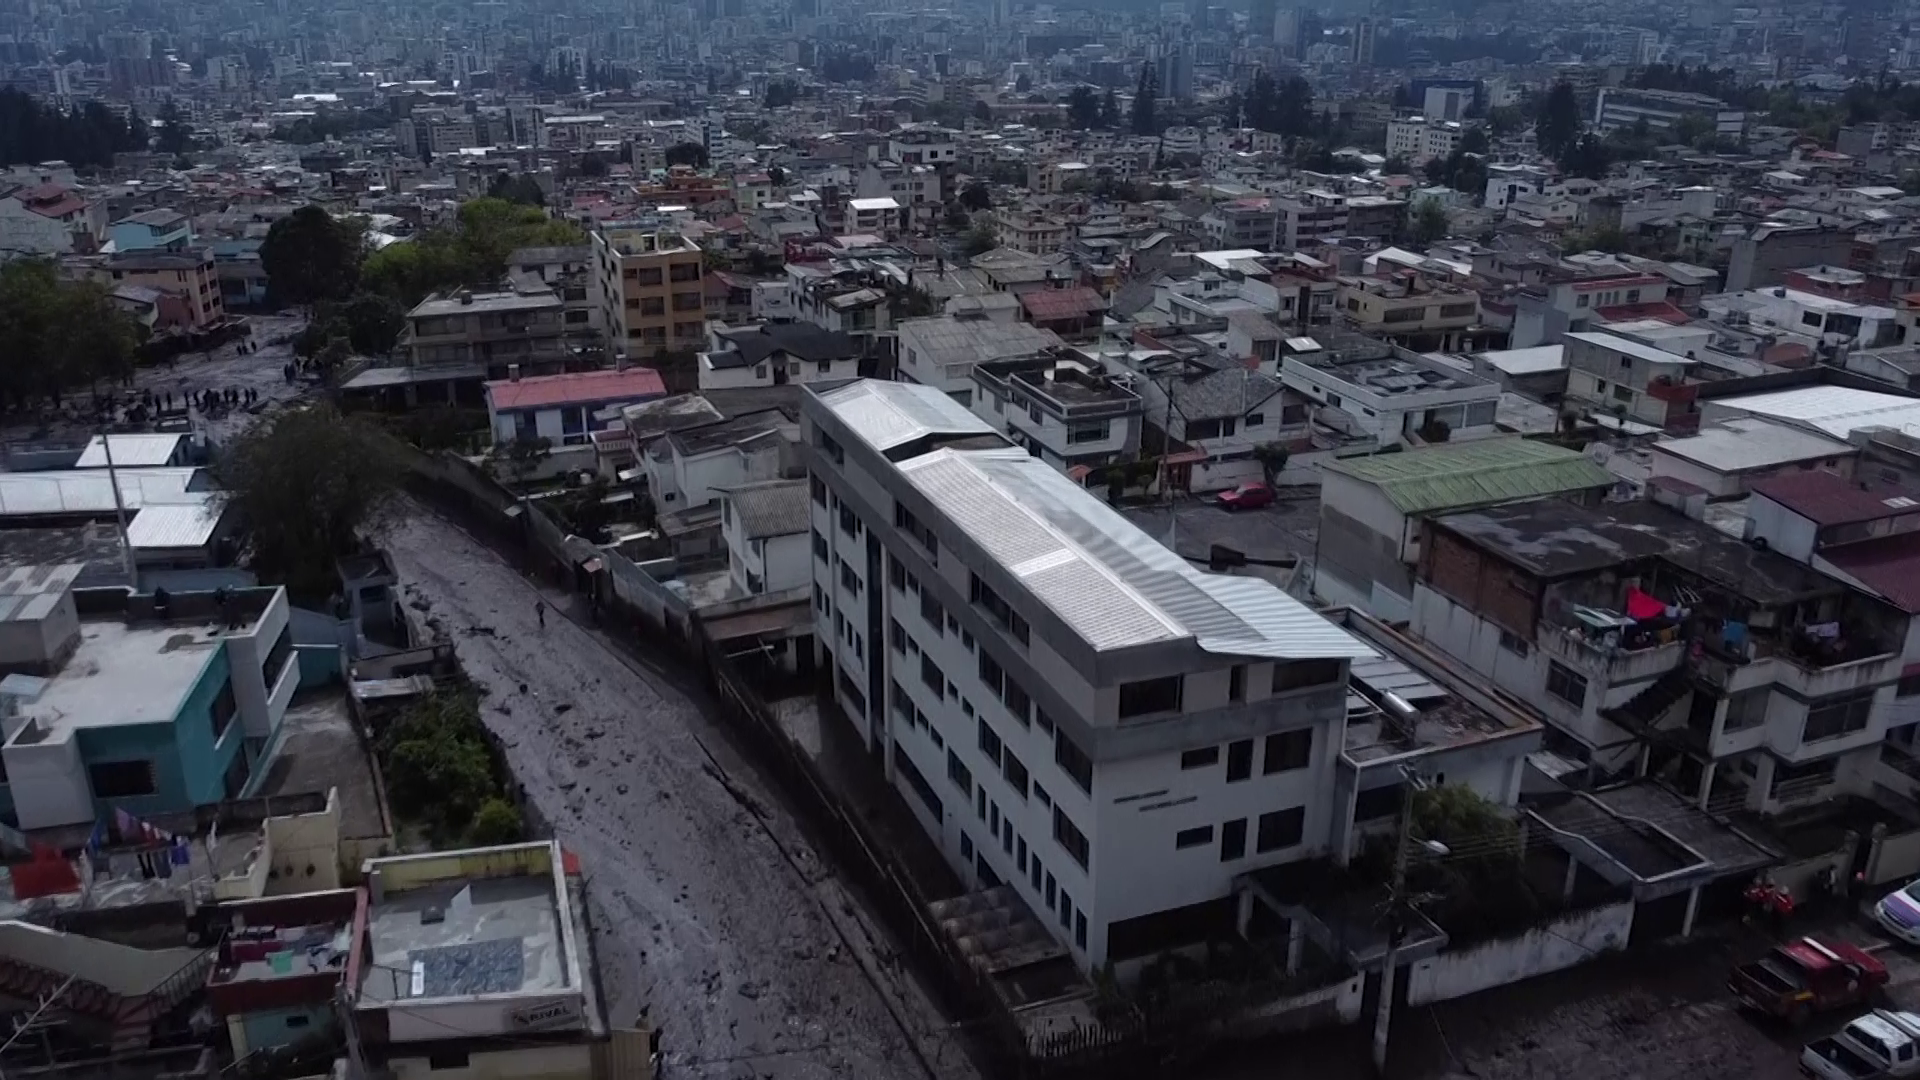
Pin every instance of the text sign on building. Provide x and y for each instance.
(564, 1012)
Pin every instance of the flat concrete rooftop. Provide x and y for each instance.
(122, 674)
(493, 936)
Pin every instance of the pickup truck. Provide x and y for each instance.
(1800, 978)
(1882, 1045)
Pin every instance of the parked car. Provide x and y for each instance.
(1882, 1043)
(1898, 913)
(1248, 496)
(1807, 976)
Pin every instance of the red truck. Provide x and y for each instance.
(1800, 978)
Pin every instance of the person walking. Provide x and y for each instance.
(540, 612)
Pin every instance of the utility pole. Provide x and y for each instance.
(119, 511)
(1397, 911)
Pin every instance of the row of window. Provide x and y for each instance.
(1285, 752)
(1274, 831)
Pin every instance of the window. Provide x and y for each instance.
(1070, 838)
(1239, 760)
(931, 675)
(1150, 696)
(904, 766)
(1237, 683)
(958, 773)
(819, 546)
(1199, 837)
(1066, 910)
(848, 579)
(981, 594)
(966, 846)
(896, 574)
(1810, 318)
(1255, 419)
(653, 306)
(1034, 872)
(1564, 684)
(1016, 773)
(1581, 300)
(121, 779)
(1280, 829)
(1287, 751)
(1041, 719)
(451, 1059)
(1080, 929)
(1201, 758)
(818, 489)
(1017, 701)
(849, 524)
(686, 301)
(277, 658)
(1091, 432)
(1233, 839)
(1514, 643)
(686, 271)
(1746, 709)
(1378, 803)
(931, 611)
(991, 675)
(646, 275)
(1073, 761)
(1832, 719)
(223, 710)
(298, 1021)
(1293, 676)
(990, 743)
(1050, 890)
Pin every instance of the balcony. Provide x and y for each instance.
(1612, 665)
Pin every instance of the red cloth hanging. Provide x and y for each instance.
(1642, 605)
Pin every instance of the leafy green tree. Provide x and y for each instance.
(373, 323)
(687, 153)
(1557, 127)
(175, 137)
(780, 94)
(310, 256)
(496, 822)
(306, 482)
(521, 189)
(1506, 120)
(1143, 119)
(982, 239)
(1110, 111)
(1429, 223)
(976, 196)
(1272, 458)
(776, 175)
(1587, 157)
(1083, 109)
(59, 335)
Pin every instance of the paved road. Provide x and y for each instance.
(710, 906)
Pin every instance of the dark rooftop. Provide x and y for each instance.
(1827, 499)
(1552, 538)
(804, 341)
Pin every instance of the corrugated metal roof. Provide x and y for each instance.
(1835, 410)
(1111, 583)
(169, 526)
(130, 451)
(1474, 473)
(887, 414)
(87, 491)
(29, 593)
(770, 508)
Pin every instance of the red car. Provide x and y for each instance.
(1251, 496)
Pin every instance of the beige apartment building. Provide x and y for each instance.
(649, 289)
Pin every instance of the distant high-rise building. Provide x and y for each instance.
(1002, 12)
(1263, 14)
(1175, 71)
(1363, 35)
(1307, 31)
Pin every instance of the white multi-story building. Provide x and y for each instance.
(1420, 139)
(1068, 707)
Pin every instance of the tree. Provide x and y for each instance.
(1083, 109)
(373, 323)
(981, 239)
(59, 334)
(983, 112)
(517, 189)
(472, 253)
(175, 137)
(1505, 120)
(780, 94)
(776, 176)
(1474, 140)
(1397, 166)
(1429, 222)
(1023, 84)
(1110, 111)
(1143, 119)
(976, 196)
(310, 256)
(496, 822)
(306, 482)
(1587, 157)
(687, 153)
(439, 768)
(1557, 127)
(1272, 458)
(1608, 239)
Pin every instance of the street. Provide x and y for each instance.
(711, 909)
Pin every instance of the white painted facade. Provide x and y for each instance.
(770, 564)
(679, 481)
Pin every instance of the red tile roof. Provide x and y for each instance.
(1889, 566)
(1658, 309)
(1826, 499)
(577, 388)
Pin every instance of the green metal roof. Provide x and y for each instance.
(1474, 473)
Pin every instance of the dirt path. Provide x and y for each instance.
(710, 906)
